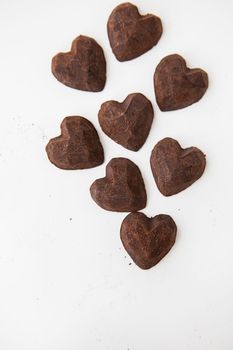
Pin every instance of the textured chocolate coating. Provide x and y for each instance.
(78, 146)
(147, 240)
(128, 123)
(131, 34)
(177, 86)
(82, 68)
(175, 168)
(122, 189)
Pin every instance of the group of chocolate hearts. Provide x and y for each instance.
(147, 240)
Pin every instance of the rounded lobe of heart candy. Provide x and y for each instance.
(131, 34)
(177, 86)
(127, 123)
(82, 68)
(122, 190)
(78, 146)
(147, 240)
(174, 168)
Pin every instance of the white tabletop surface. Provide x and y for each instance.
(66, 282)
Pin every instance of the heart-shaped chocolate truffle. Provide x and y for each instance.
(175, 168)
(128, 123)
(122, 189)
(78, 146)
(177, 86)
(147, 240)
(82, 68)
(131, 34)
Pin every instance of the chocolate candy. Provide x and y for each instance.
(128, 123)
(82, 68)
(131, 34)
(122, 189)
(78, 146)
(177, 86)
(147, 240)
(175, 168)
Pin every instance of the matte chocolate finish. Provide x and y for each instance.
(175, 168)
(78, 146)
(131, 34)
(148, 240)
(128, 123)
(82, 68)
(122, 189)
(177, 86)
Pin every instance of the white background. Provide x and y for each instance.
(66, 282)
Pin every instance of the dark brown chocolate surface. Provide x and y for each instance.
(78, 146)
(82, 68)
(122, 189)
(177, 86)
(147, 240)
(175, 168)
(128, 123)
(131, 34)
